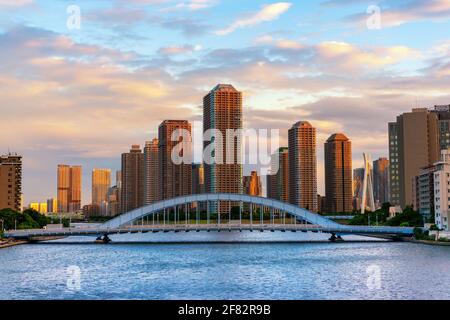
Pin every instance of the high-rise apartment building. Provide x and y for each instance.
(443, 114)
(253, 184)
(113, 201)
(338, 174)
(278, 179)
(424, 195)
(413, 144)
(198, 178)
(132, 178)
(151, 185)
(222, 111)
(101, 182)
(11, 182)
(394, 165)
(52, 205)
(69, 188)
(174, 179)
(381, 181)
(303, 166)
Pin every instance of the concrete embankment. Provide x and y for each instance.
(427, 242)
(10, 243)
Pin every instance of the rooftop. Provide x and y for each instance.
(338, 137)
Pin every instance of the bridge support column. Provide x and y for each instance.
(103, 239)
(335, 238)
(197, 217)
(208, 219)
(261, 214)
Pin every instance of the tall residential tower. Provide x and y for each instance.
(413, 144)
(175, 179)
(11, 182)
(222, 111)
(132, 191)
(101, 182)
(303, 166)
(69, 188)
(338, 174)
(151, 187)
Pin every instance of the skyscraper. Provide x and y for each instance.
(119, 190)
(69, 188)
(174, 179)
(358, 180)
(381, 181)
(52, 205)
(113, 201)
(253, 184)
(443, 114)
(198, 178)
(303, 166)
(132, 179)
(11, 182)
(278, 179)
(101, 182)
(338, 174)
(151, 172)
(394, 170)
(222, 111)
(413, 144)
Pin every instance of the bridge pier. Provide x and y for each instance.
(103, 239)
(335, 238)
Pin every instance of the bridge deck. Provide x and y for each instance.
(362, 230)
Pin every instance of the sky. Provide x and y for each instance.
(82, 94)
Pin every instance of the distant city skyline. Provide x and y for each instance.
(84, 96)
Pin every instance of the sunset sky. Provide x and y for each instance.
(83, 96)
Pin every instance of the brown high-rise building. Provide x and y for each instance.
(381, 181)
(101, 182)
(253, 185)
(151, 172)
(222, 111)
(132, 191)
(338, 174)
(174, 179)
(198, 178)
(69, 188)
(303, 166)
(11, 182)
(413, 144)
(278, 179)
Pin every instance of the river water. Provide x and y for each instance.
(224, 266)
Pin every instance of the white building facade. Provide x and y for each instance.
(442, 191)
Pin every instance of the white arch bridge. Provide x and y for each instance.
(238, 212)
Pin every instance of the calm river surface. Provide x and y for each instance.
(371, 270)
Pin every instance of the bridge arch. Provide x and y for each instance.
(151, 209)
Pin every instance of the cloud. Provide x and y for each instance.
(82, 103)
(267, 13)
(396, 14)
(176, 50)
(193, 5)
(189, 27)
(15, 3)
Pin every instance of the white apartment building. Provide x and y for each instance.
(442, 191)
